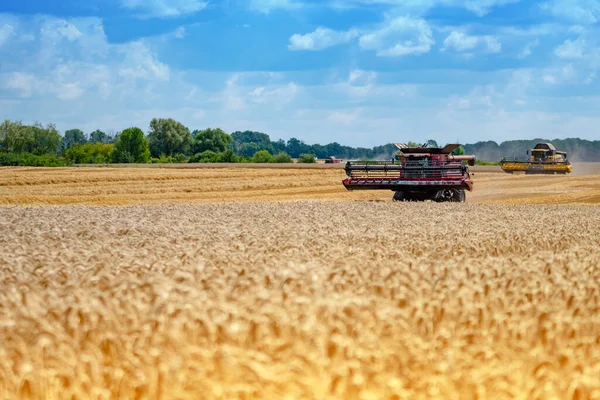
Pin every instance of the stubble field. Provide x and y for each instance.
(109, 288)
(167, 184)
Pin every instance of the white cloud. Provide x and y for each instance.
(266, 6)
(342, 117)
(320, 39)
(179, 33)
(361, 87)
(580, 70)
(591, 78)
(578, 11)
(568, 71)
(6, 32)
(482, 7)
(571, 49)
(492, 43)
(55, 39)
(276, 96)
(238, 95)
(479, 97)
(73, 59)
(526, 52)
(358, 85)
(463, 42)
(460, 41)
(140, 63)
(70, 91)
(164, 8)
(241, 94)
(578, 29)
(535, 31)
(414, 7)
(87, 82)
(24, 83)
(399, 36)
(57, 29)
(199, 115)
(28, 85)
(358, 77)
(231, 98)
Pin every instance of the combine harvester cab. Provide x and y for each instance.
(417, 174)
(544, 159)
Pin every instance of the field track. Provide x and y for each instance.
(169, 185)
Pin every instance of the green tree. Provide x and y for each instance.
(211, 139)
(248, 149)
(279, 146)
(163, 159)
(228, 156)
(31, 160)
(307, 158)
(7, 128)
(100, 137)
(168, 137)
(35, 139)
(261, 141)
(333, 149)
(131, 147)
(207, 156)
(17, 138)
(459, 151)
(47, 140)
(89, 153)
(262, 156)
(71, 137)
(282, 158)
(295, 147)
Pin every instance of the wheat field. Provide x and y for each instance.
(311, 296)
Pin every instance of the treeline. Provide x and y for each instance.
(166, 141)
(577, 149)
(169, 141)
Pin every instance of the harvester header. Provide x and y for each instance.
(415, 173)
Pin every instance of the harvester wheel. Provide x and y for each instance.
(462, 197)
(398, 195)
(451, 195)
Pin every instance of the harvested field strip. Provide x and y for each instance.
(76, 176)
(590, 196)
(305, 299)
(177, 186)
(159, 197)
(139, 186)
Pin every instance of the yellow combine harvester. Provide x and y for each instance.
(544, 159)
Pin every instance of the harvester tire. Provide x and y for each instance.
(398, 195)
(462, 196)
(458, 196)
(450, 195)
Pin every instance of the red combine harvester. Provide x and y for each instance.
(332, 160)
(416, 174)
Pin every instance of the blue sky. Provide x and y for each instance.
(359, 72)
